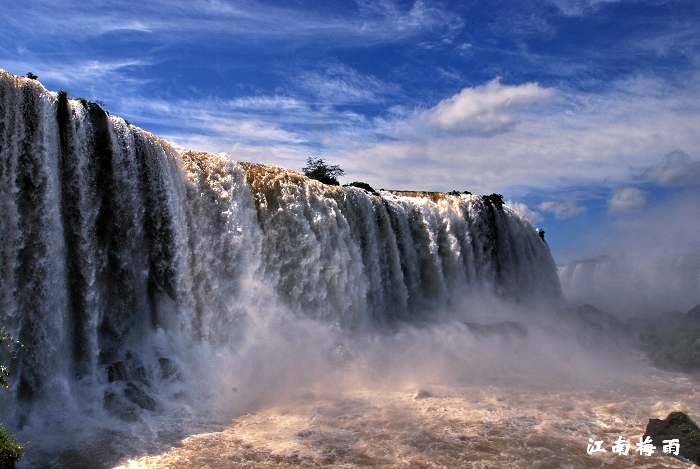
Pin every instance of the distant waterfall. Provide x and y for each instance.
(108, 233)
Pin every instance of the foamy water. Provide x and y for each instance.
(480, 426)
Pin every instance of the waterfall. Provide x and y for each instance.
(109, 235)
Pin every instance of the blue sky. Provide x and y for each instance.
(584, 114)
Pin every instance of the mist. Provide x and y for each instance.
(649, 263)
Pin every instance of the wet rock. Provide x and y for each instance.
(119, 407)
(588, 317)
(671, 340)
(117, 372)
(168, 369)
(678, 425)
(136, 395)
(109, 355)
(506, 329)
(137, 371)
(599, 331)
(693, 314)
(422, 394)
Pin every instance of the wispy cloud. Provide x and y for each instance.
(115, 72)
(339, 84)
(368, 23)
(578, 7)
(421, 15)
(229, 122)
(266, 103)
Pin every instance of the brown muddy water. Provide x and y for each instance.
(482, 425)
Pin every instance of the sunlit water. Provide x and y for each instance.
(481, 426)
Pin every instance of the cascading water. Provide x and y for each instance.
(121, 256)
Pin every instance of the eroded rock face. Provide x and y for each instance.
(671, 340)
(117, 372)
(678, 425)
(119, 407)
(131, 390)
(139, 397)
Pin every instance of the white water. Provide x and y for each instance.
(211, 288)
(478, 426)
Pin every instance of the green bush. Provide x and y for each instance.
(362, 185)
(495, 199)
(10, 450)
(316, 168)
(4, 371)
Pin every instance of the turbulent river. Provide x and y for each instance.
(192, 311)
(482, 426)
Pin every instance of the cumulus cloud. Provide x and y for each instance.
(626, 199)
(562, 210)
(489, 108)
(676, 169)
(524, 210)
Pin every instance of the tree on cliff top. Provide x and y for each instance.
(317, 168)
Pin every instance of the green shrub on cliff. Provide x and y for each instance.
(4, 371)
(362, 185)
(318, 169)
(10, 450)
(495, 199)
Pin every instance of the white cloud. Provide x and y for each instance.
(338, 84)
(579, 139)
(626, 199)
(90, 74)
(676, 168)
(489, 108)
(578, 7)
(562, 210)
(524, 210)
(127, 26)
(420, 16)
(266, 103)
(182, 22)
